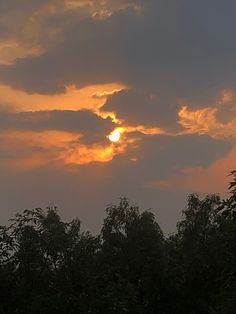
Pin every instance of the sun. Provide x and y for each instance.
(114, 136)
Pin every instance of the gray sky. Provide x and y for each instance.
(161, 72)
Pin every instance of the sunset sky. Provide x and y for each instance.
(160, 73)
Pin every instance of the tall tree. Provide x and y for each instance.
(132, 259)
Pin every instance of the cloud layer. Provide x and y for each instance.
(161, 71)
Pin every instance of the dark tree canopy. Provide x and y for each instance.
(51, 266)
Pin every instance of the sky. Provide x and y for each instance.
(160, 73)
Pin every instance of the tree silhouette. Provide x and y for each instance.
(50, 266)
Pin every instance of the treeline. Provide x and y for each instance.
(50, 266)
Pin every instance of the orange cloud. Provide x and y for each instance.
(202, 180)
(74, 99)
(24, 150)
(101, 8)
(124, 128)
(204, 121)
(227, 95)
(42, 139)
(24, 25)
(25, 30)
(11, 49)
(25, 163)
(83, 154)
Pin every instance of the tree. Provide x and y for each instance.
(226, 239)
(132, 260)
(50, 266)
(192, 256)
(43, 254)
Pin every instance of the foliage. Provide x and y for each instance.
(50, 266)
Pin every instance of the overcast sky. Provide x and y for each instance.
(161, 72)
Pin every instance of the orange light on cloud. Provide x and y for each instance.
(73, 99)
(28, 149)
(204, 121)
(82, 154)
(44, 139)
(212, 179)
(227, 95)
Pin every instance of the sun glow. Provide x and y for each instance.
(114, 136)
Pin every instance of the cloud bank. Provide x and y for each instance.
(161, 71)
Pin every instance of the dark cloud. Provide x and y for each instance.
(159, 155)
(183, 49)
(67, 120)
(84, 122)
(137, 108)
